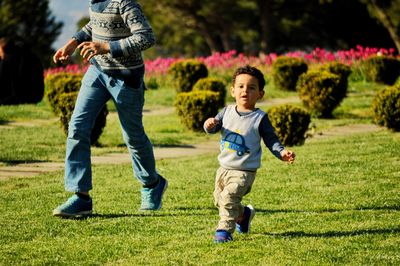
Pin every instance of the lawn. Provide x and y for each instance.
(338, 204)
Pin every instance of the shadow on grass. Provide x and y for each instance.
(16, 162)
(115, 216)
(329, 234)
(180, 211)
(357, 208)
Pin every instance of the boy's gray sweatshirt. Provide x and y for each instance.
(241, 135)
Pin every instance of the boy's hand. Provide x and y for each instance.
(64, 53)
(90, 49)
(210, 123)
(288, 156)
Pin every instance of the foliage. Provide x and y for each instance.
(186, 73)
(32, 23)
(212, 84)
(21, 74)
(290, 123)
(320, 92)
(195, 107)
(61, 92)
(286, 71)
(59, 83)
(340, 69)
(381, 69)
(386, 107)
(193, 28)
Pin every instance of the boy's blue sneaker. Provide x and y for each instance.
(152, 197)
(222, 236)
(244, 225)
(74, 207)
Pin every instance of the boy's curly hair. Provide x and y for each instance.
(252, 71)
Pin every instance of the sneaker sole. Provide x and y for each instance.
(72, 215)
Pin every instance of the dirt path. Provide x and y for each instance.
(33, 169)
(36, 168)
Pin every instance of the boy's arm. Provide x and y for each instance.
(270, 138)
(142, 36)
(213, 124)
(85, 34)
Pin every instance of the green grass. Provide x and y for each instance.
(338, 204)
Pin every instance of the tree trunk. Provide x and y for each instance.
(384, 18)
(265, 7)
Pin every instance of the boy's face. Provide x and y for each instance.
(246, 92)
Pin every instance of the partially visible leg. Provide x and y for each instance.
(129, 103)
(78, 176)
(236, 184)
(91, 98)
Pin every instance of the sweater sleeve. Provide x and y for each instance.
(142, 36)
(84, 35)
(218, 127)
(269, 137)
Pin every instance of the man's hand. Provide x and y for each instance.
(288, 156)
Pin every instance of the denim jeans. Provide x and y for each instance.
(96, 89)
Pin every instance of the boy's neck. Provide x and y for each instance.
(243, 109)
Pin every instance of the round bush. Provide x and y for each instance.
(58, 84)
(212, 84)
(286, 72)
(195, 107)
(320, 92)
(290, 123)
(381, 69)
(386, 108)
(61, 92)
(340, 69)
(186, 73)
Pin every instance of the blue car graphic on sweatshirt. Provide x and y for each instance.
(235, 142)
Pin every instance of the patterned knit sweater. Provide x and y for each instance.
(123, 25)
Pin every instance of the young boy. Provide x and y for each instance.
(242, 128)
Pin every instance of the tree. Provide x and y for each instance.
(30, 23)
(387, 12)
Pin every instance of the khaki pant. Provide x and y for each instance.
(230, 187)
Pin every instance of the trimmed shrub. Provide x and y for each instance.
(381, 69)
(340, 69)
(386, 108)
(286, 72)
(290, 123)
(58, 84)
(212, 84)
(151, 83)
(186, 73)
(320, 92)
(61, 92)
(195, 107)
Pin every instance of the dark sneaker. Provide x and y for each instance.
(152, 197)
(222, 236)
(244, 225)
(74, 207)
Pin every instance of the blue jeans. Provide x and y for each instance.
(96, 89)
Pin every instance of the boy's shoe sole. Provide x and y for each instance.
(72, 215)
(222, 236)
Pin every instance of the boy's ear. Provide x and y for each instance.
(261, 94)
(233, 91)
